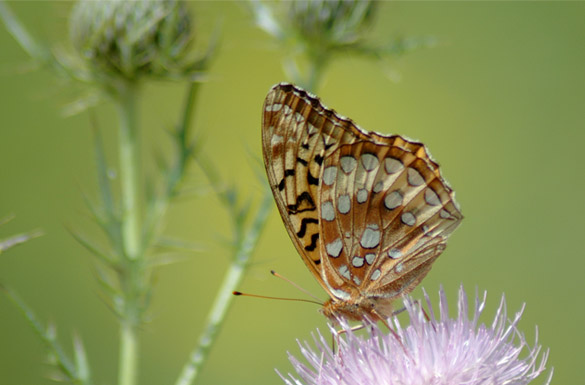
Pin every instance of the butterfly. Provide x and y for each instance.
(368, 213)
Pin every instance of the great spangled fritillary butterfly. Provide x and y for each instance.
(368, 213)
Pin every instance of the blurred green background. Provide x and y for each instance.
(500, 103)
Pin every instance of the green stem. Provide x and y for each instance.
(188, 109)
(131, 233)
(214, 322)
(176, 172)
(317, 63)
(128, 354)
(224, 296)
(129, 170)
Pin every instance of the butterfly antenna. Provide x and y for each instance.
(295, 285)
(279, 298)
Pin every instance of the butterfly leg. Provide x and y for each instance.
(335, 335)
(353, 329)
(417, 302)
(396, 312)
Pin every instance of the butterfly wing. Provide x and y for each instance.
(368, 213)
(385, 216)
(298, 132)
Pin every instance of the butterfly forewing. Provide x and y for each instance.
(298, 133)
(368, 213)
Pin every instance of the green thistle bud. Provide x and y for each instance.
(315, 31)
(330, 24)
(133, 39)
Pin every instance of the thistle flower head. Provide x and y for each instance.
(131, 39)
(440, 351)
(330, 23)
(317, 25)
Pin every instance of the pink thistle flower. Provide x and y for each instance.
(440, 351)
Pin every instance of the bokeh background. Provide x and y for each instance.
(499, 101)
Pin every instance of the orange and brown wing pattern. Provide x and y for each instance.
(298, 132)
(385, 216)
(368, 213)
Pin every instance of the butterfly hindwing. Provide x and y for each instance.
(375, 201)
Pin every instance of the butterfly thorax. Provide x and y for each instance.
(357, 309)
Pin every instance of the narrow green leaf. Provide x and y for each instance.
(18, 239)
(60, 359)
(97, 211)
(81, 362)
(166, 259)
(21, 35)
(96, 250)
(179, 244)
(243, 212)
(105, 280)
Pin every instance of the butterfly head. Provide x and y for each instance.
(357, 309)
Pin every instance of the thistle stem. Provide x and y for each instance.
(130, 232)
(129, 170)
(223, 299)
(128, 354)
(214, 322)
(317, 65)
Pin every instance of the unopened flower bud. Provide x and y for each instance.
(131, 39)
